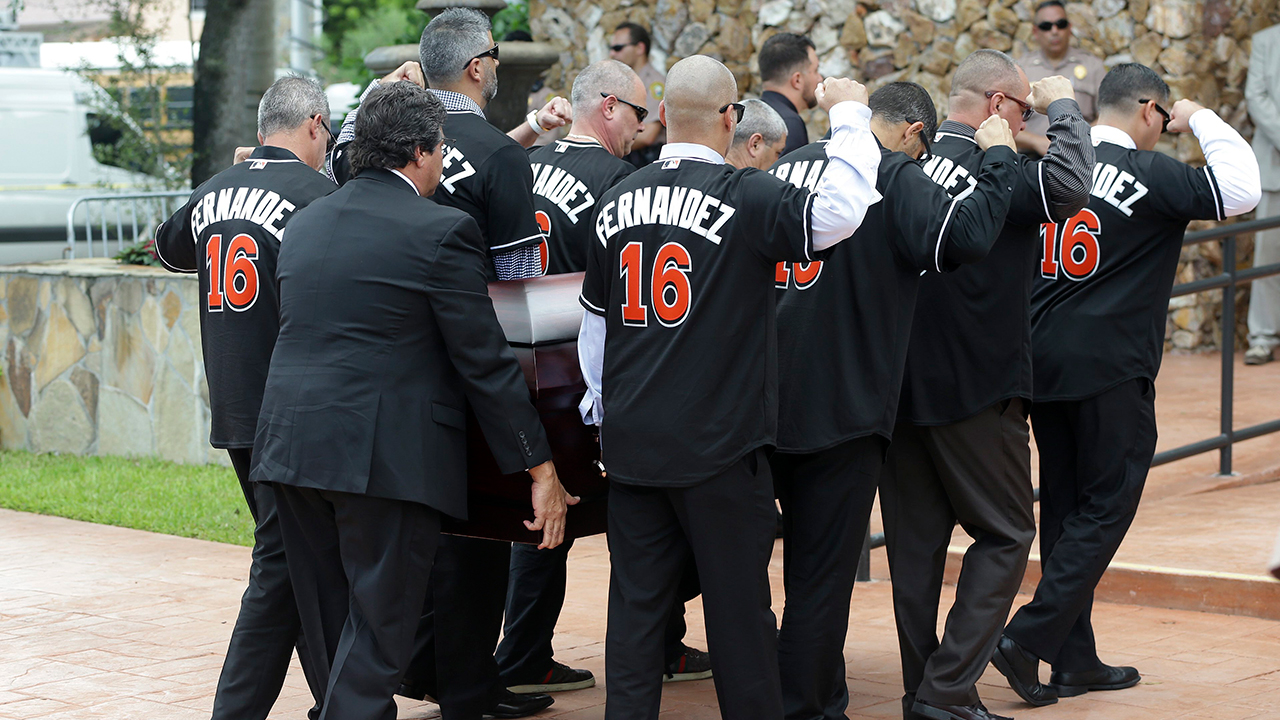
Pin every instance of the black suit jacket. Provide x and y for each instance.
(386, 332)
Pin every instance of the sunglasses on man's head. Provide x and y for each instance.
(738, 108)
(1048, 25)
(1164, 128)
(620, 48)
(641, 112)
(1027, 110)
(491, 52)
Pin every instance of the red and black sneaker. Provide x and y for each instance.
(558, 679)
(691, 665)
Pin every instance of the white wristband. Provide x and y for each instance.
(532, 119)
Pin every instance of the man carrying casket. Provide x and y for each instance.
(387, 333)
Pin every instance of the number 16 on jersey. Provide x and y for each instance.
(669, 280)
(233, 277)
(1071, 247)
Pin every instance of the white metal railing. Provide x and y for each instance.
(125, 218)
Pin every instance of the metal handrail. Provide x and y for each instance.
(1227, 280)
(155, 207)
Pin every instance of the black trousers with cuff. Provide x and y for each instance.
(1094, 458)
(976, 472)
(359, 566)
(535, 597)
(727, 525)
(267, 628)
(826, 499)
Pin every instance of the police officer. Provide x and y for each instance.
(229, 233)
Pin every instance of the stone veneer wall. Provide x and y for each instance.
(1200, 46)
(102, 359)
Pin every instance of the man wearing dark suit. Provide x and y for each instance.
(386, 334)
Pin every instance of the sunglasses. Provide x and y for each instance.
(1027, 110)
(332, 140)
(924, 140)
(641, 112)
(1047, 25)
(1163, 113)
(491, 52)
(620, 48)
(738, 108)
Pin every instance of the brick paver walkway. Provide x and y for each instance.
(103, 622)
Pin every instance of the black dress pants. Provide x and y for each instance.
(458, 627)
(535, 597)
(826, 501)
(267, 628)
(1094, 458)
(976, 472)
(359, 566)
(727, 524)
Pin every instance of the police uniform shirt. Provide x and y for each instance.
(971, 340)
(569, 176)
(844, 323)
(655, 85)
(1081, 67)
(229, 232)
(1104, 276)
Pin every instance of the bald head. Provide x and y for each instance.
(696, 88)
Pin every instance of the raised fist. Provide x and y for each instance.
(1045, 92)
(410, 71)
(834, 91)
(1180, 115)
(995, 131)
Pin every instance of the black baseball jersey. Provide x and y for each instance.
(229, 233)
(569, 176)
(681, 267)
(971, 341)
(844, 324)
(1102, 285)
(487, 175)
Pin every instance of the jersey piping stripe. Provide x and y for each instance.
(517, 242)
(168, 265)
(1044, 196)
(808, 227)
(265, 160)
(942, 234)
(587, 304)
(1217, 193)
(954, 135)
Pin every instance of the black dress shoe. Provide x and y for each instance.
(938, 711)
(1022, 670)
(506, 704)
(1107, 677)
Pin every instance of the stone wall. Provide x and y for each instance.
(1200, 46)
(102, 359)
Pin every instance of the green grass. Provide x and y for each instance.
(196, 501)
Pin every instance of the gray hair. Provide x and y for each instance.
(759, 118)
(449, 43)
(289, 102)
(984, 70)
(606, 76)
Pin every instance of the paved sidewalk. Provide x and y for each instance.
(103, 622)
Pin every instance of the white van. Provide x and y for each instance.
(46, 156)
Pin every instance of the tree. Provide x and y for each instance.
(236, 66)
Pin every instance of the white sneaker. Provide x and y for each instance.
(1258, 355)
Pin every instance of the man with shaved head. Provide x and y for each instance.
(678, 348)
(961, 446)
(760, 137)
(570, 175)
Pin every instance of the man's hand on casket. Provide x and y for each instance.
(550, 505)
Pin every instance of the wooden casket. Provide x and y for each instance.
(541, 318)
